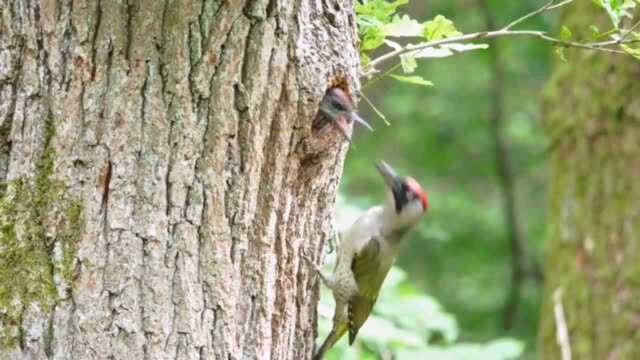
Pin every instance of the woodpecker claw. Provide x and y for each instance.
(333, 243)
(317, 270)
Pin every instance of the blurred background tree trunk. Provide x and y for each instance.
(160, 177)
(592, 111)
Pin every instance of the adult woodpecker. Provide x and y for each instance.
(367, 251)
(337, 106)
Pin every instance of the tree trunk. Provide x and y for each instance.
(161, 177)
(593, 118)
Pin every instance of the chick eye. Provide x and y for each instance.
(340, 107)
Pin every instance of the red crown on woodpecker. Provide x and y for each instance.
(415, 187)
(404, 190)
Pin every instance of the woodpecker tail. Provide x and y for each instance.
(333, 337)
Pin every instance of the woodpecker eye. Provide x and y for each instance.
(407, 190)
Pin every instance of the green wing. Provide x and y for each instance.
(366, 271)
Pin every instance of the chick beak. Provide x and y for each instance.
(355, 117)
(388, 174)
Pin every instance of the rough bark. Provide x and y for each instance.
(160, 175)
(593, 120)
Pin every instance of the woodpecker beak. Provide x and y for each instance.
(389, 175)
(355, 117)
(395, 184)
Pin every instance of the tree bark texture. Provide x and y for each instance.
(160, 175)
(593, 119)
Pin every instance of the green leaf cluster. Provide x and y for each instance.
(617, 9)
(379, 21)
(440, 28)
(372, 17)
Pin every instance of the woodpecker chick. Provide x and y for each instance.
(367, 251)
(338, 107)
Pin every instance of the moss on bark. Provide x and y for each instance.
(592, 116)
(29, 209)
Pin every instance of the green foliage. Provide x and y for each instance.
(617, 9)
(409, 63)
(415, 80)
(565, 33)
(440, 28)
(635, 52)
(378, 10)
(372, 17)
(379, 21)
(403, 26)
(561, 54)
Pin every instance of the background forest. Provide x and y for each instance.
(471, 280)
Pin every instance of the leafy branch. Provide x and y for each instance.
(378, 21)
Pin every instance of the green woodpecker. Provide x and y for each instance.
(367, 251)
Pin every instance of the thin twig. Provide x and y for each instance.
(559, 5)
(529, 15)
(600, 46)
(562, 332)
(378, 78)
(375, 109)
(631, 29)
(549, 6)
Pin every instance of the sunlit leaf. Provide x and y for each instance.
(502, 349)
(403, 26)
(392, 44)
(446, 50)
(565, 33)
(560, 52)
(421, 314)
(380, 9)
(372, 38)
(394, 278)
(617, 9)
(384, 332)
(415, 79)
(631, 51)
(408, 62)
(364, 58)
(439, 28)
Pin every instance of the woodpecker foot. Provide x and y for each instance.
(334, 242)
(318, 272)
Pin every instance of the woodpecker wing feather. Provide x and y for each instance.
(367, 273)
